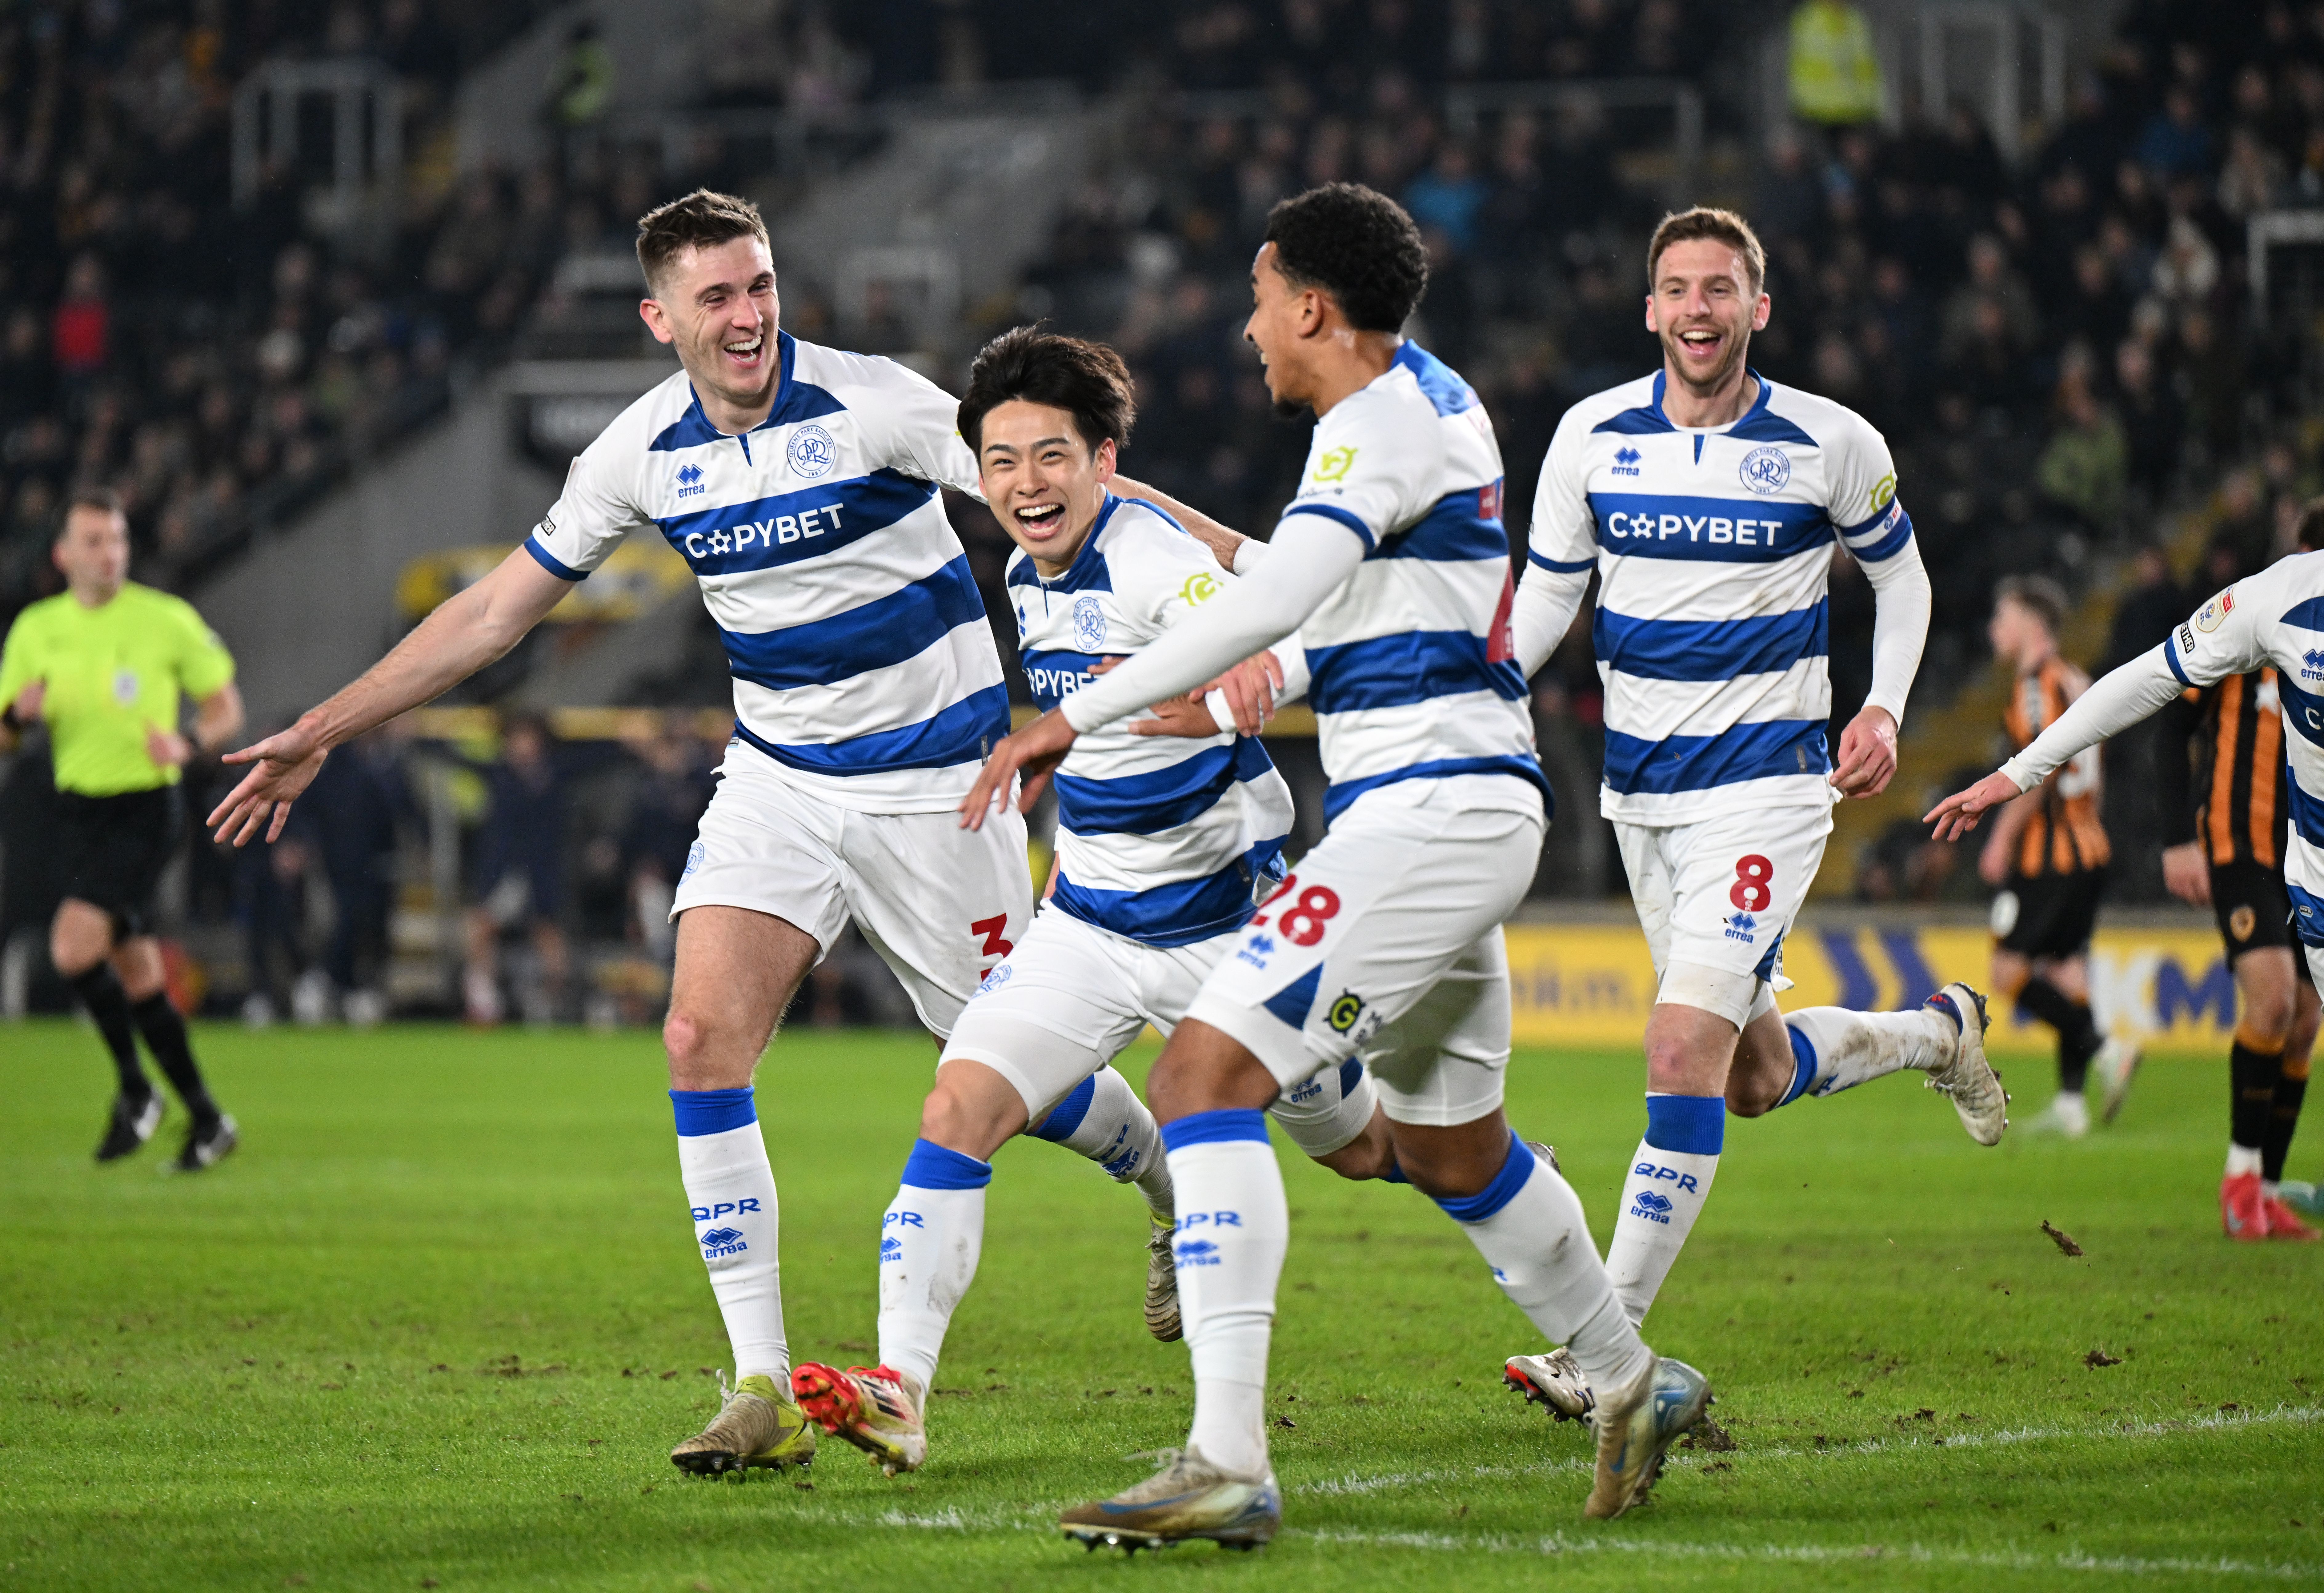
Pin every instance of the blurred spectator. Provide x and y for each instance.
(520, 876)
(657, 840)
(2086, 467)
(351, 813)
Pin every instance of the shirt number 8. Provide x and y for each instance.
(1303, 924)
(1751, 876)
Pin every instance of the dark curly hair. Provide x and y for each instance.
(1357, 244)
(1086, 380)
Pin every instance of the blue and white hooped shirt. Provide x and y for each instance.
(1713, 553)
(1162, 840)
(1413, 670)
(862, 663)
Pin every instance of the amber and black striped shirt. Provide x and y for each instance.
(2064, 836)
(2219, 771)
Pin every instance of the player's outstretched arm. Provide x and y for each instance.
(467, 632)
(1225, 544)
(2111, 705)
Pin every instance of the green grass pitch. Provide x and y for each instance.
(438, 1323)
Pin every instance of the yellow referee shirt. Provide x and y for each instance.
(112, 674)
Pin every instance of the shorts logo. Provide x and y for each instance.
(1089, 623)
(1334, 464)
(995, 980)
(689, 481)
(811, 452)
(125, 686)
(723, 1241)
(1625, 461)
(693, 859)
(2241, 923)
(1742, 926)
(1344, 1012)
(1256, 950)
(2005, 914)
(1767, 470)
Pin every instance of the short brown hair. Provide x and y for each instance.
(1086, 380)
(2042, 596)
(1706, 221)
(104, 500)
(701, 220)
(2309, 535)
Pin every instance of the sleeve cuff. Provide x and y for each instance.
(1341, 516)
(551, 563)
(2171, 657)
(1564, 566)
(1888, 547)
(1249, 553)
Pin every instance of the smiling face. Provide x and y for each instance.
(716, 304)
(1283, 318)
(1043, 483)
(1704, 309)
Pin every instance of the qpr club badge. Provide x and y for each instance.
(1089, 623)
(1767, 470)
(811, 452)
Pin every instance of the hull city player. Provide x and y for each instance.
(1392, 565)
(104, 663)
(2049, 852)
(800, 484)
(1164, 847)
(1706, 501)
(2225, 795)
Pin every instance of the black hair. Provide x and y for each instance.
(1356, 244)
(1086, 380)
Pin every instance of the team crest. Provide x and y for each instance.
(1767, 470)
(2241, 923)
(811, 452)
(1089, 623)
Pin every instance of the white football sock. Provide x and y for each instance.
(1234, 1227)
(732, 1188)
(1529, 1227)
(1104, 1119)
(929, 1242)
(2242, 1159)
(1837, 1049)
(1663, 1194)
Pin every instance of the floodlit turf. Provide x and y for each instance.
(440, 1321)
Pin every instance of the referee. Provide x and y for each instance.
(104, 663)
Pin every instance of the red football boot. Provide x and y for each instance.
(2241, 1211)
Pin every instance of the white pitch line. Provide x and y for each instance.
(1915, 1553)
(2209, 1422)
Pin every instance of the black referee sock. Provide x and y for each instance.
(165, 1035)
(2078, 1032)
(2253, 1076)
(2284, 1119)
(99, 990)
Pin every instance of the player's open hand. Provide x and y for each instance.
(286, 765)
(1251, 687)
(1867, 754)
(1036, 750)
(2187, 873)
(1959, 814)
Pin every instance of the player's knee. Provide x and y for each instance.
(1749, 1096)
(2267, 1017)
(701, 1057)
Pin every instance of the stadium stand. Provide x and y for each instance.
(2064, 341)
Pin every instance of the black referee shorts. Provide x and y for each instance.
(114, 848)
(2048, 917)
(2254, 911)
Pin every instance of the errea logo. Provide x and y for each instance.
(1625, 461)
(2311, 665)
(689, 481)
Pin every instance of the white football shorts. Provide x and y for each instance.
(1385, 943)
(941, 904)
(1717, 897)
(1072, 997)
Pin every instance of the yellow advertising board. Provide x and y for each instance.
(1592, 984)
